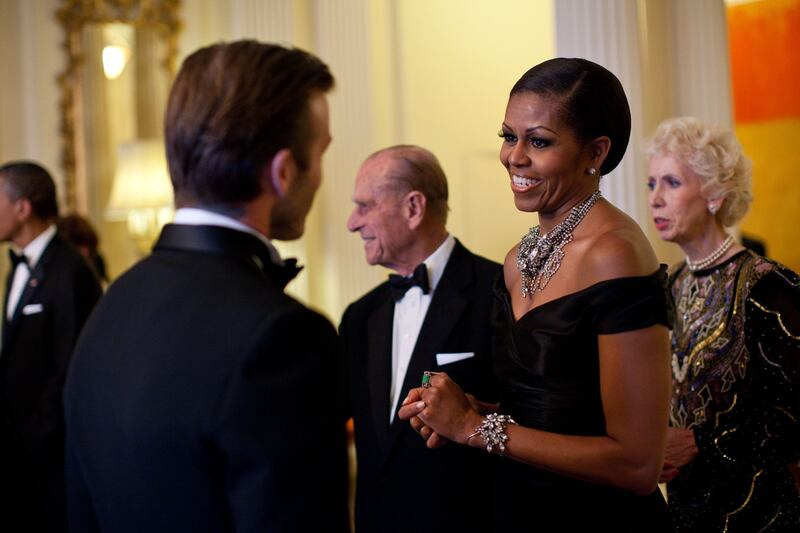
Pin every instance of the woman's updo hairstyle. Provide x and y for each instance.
(591, 98)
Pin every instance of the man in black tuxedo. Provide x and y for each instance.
(434, 315)
(201, 397)
(50, 292)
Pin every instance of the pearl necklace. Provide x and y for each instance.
(694, 266)
(539, 256)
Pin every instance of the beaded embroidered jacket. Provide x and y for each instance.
(736, 384)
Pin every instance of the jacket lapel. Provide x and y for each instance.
(443, 314)
(31, 288)
(6, 321)
(379, 360)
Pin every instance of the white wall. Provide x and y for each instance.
(30, 58)
(458, 62)
(429, 72)
(29, 62)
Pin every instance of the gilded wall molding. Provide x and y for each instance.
(161, 16)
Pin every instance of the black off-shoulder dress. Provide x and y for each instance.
(547, 364)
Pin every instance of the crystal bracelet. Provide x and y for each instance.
(493, 432)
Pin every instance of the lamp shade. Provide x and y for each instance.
(141, 180)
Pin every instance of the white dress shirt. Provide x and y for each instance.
(195, 216)
(33, 252)
(409, 314)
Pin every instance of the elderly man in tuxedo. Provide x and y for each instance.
(195, 398)
(432, 315)
(50, 292)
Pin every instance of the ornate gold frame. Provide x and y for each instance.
(73, 15)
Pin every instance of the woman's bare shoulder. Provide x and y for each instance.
(618, 248)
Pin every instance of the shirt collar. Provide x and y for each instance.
(34, 250)
(195, 216)
(437, 261)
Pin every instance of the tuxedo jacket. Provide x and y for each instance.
(402, 486)
(202, 398)
(36, 348)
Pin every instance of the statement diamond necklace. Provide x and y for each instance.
(539, 256)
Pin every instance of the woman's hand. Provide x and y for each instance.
(432, 439)
(483, 408)
(442, 408)
(681, 449)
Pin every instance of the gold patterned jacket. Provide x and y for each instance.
(736, 384)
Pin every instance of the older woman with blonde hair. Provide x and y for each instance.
(735, 343)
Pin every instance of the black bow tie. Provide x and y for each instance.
(16, 259)
(399, 284)
(283, 274)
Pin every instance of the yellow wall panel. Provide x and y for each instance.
(458, 60)
(775, 214)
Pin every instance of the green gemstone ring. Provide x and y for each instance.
(426, 379)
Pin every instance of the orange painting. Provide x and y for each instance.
(764, 40)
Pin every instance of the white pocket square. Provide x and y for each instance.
(32, 309)
(447, 358)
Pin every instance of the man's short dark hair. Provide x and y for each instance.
(419, 170)
(232, 107)
(29, 180)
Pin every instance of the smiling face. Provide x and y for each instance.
(680, 212)
(379, 215)
(546, 162)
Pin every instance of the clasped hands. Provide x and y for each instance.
(441, 412)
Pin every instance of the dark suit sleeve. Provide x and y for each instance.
(77, 302)
(81, 516)
(78, 296)
(281, 435)
(345, 340)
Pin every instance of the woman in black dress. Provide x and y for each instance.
(581, 344)
(735, 344)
